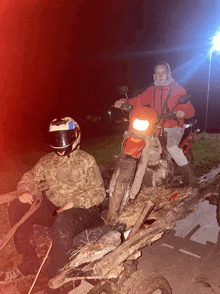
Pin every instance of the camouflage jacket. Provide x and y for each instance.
(75, 178)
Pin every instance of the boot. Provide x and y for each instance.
(190, 176)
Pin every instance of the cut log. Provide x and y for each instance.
(94, 251)
(90, 253)
(145, 236)
(144, 215)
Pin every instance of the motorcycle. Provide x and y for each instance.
(143, 158)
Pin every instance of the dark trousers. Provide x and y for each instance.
(66, 226)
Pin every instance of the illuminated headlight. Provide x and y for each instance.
(140, 125)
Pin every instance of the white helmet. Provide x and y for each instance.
(64, 135)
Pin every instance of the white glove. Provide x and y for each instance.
(180, 114)
(118, 103)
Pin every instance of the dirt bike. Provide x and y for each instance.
(143, 158)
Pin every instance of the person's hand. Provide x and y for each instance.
(65, 207)
(26, 198)
(118, 103)
(180, 114)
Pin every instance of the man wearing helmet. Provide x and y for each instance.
(74, 189)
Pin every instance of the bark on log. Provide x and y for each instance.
(34, 206)
(147, 236)
(144, 215)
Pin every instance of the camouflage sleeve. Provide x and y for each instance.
(30, 180)
(95, 186)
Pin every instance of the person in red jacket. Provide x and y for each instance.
(163, 97)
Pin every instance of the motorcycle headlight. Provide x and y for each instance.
(140, 125)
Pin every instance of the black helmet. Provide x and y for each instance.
(64, 135)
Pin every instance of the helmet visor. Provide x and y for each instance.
(62, 139)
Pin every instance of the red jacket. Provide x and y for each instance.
(156, 95)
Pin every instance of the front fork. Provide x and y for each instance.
(142, 164)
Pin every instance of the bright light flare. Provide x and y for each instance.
(140, 125)
(216, 42)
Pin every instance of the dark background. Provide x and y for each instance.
(67, 57)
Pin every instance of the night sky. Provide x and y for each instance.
(66, 58)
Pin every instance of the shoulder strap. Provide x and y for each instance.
(154, 98)
(165, 103)
(175, 106)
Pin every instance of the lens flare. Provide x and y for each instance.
(216, 42)
(189, 70)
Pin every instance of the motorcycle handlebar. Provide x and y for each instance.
(170, 115)
(126, 108)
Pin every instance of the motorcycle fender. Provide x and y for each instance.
(133, 146)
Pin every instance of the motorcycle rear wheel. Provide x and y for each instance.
(120, 186)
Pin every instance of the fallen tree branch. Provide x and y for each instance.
(34, 206)
(149, 235)
(48, 251)
(143, 216)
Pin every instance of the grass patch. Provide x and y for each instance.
(103, 148)
(206, 152)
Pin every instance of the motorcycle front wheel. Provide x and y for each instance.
(120, 186)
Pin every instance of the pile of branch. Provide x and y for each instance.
(149, 235)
